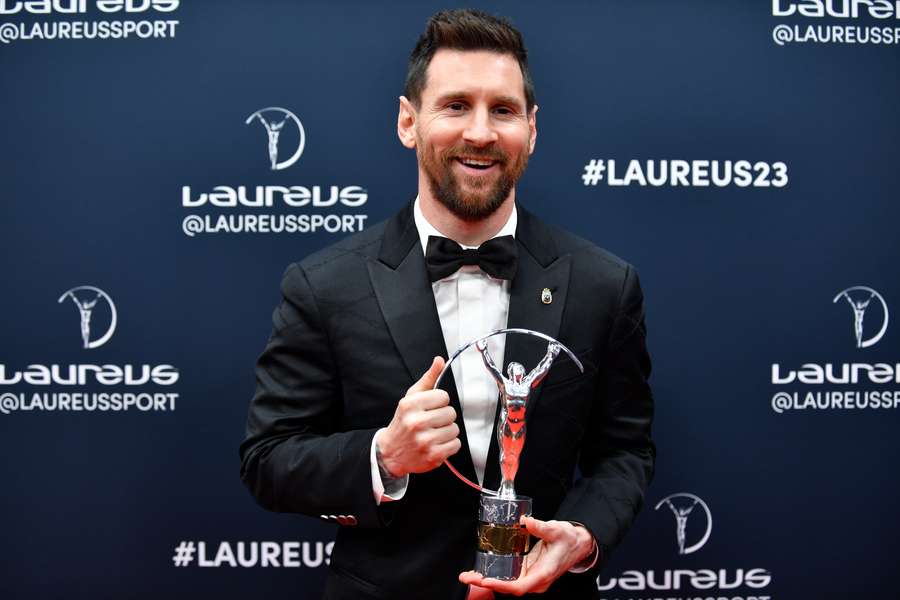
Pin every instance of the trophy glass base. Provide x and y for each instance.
(502, 542)
(499, 566)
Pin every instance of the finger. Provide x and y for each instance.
(470, 577)
(427, 380)
(545, 530)
(430, 399)
(445, 434)
(425, 401)
(448, 448)
(536, 580)
(437, 418)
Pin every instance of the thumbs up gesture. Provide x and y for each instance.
(423, 431)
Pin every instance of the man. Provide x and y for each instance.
(345, 423)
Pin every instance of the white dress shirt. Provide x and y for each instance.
(483, 302)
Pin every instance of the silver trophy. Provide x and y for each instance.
(502, 541)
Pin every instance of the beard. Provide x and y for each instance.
(482, 195)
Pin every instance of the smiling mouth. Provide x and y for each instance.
(480, 164)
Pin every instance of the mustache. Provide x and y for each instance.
(490, 153)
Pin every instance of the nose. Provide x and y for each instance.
(479, 130)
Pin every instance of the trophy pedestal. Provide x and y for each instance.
(502, 542)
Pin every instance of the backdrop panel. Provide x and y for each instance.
(741, 154)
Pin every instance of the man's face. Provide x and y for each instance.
(473, 134)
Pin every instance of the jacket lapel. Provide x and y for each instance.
(540, 266)
(400, 281)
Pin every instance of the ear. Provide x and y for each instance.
(406, 123)
(532, 129)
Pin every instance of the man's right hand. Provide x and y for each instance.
(423, 431)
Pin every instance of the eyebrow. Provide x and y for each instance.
(462, 95)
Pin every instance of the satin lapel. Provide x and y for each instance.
(527, 311)
(404, 294)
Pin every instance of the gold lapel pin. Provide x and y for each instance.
(546, 296)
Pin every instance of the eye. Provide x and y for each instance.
(456, 106)
(504, 111)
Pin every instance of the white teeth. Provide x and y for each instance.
(477, 163)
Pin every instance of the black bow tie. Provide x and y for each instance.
(498, 257)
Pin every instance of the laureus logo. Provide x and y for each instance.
(719, 582)
(859, 298)
(274, 120)
(682, 506)
(85, 298)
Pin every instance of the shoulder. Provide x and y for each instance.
(588, 255)
(588, 259)
(344, 265)
(595, 273)
(333, 272)
(351, 252)
(601, 284)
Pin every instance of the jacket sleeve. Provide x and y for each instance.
(294, 458)
(617, 454)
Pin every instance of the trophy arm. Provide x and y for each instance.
(540, 371)
(489, 362)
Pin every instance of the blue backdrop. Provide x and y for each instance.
(777, 401)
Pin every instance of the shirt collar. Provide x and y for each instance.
(426, 229)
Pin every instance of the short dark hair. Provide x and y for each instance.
(465, 29)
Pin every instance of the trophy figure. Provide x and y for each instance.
(502, 541)
(514, 391)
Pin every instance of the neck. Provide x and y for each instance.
(467, 233)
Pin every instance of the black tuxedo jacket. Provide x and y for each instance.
(357, 325)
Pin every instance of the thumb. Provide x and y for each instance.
(538, 528)
(428, 379)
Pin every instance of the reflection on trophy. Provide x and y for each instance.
(502, 541)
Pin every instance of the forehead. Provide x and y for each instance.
(475, 72)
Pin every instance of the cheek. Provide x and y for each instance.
(441, 134)
(516, 141)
